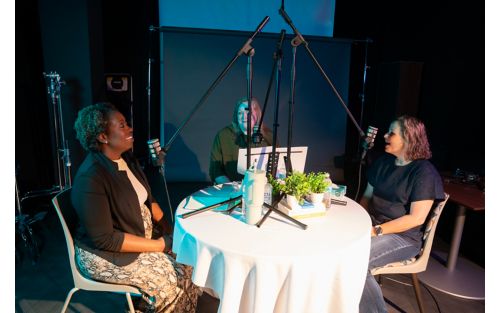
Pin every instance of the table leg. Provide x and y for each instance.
(460, 277)
(456, 239)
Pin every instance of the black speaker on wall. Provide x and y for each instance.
(119, 92)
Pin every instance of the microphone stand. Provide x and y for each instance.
(250, 53)
(272, 208)
(148, 87)
(245, 49)
(291, 105)
(160, 162)
(299, 40)
(275, 75)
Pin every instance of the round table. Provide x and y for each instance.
(278, 267)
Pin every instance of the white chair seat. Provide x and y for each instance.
(67, 217)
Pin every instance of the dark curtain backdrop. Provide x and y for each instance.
(112, 36)
(193, 60)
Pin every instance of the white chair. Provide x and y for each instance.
(67, 216)
(419, 263)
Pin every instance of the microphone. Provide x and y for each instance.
(156, 152)
(257, 135)
(369, 140)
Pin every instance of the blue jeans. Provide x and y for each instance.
(384, 249)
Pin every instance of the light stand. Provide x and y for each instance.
(62, 151)
(63, 171)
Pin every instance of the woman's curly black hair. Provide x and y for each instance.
(91, 121)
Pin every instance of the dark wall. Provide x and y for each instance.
(64, 29)
(96, 37)
(127, 45)
(33, 152)
(81, 41)
(447, 38)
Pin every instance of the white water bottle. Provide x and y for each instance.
(268, 194)
(253, 194)
(327, 198)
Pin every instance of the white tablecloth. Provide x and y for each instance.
(278, 267)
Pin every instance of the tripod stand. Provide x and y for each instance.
(25, 232)
(23, 221)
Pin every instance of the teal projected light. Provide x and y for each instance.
(313, 17)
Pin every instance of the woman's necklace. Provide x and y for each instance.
(400, 162)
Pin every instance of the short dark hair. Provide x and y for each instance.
(92, 121)
(415, 136)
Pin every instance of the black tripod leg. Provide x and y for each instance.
(291, 219)
(208, 208)
(263, 219)
(272, 208)
(275, 203)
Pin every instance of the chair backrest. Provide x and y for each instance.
(430, 228)
(418, 264)
(68, 218)
(69, 221)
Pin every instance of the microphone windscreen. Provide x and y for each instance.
(154, 149)
(369, 140)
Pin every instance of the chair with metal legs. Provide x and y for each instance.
(67, 217)
(419, 263)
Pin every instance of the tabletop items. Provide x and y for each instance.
(279, 267)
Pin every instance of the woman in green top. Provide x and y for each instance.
(227, 142)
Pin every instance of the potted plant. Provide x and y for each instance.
(318, 185)
(295, 186)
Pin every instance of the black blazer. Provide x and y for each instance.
(107, 206)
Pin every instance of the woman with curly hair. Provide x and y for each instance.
(402, 187)
(115, 242)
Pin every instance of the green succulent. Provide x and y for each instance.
(296, 185)
(317, 182)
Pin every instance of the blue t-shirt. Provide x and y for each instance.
(396, 187)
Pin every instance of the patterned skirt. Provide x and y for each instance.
(163, 282)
